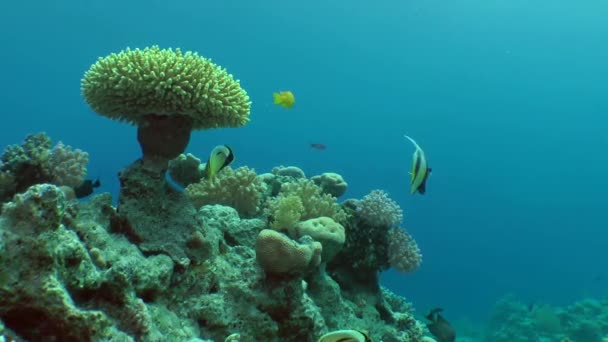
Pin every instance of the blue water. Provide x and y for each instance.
(508, 98)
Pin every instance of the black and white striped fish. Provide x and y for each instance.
(420, 170)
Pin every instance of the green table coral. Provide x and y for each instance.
(166, 93)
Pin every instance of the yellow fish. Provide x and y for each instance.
(220, 157)
(420, 170)
(284, 99)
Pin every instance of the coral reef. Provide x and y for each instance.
(79, 271)
(515, 321)
(155, 217)
(269, 258)
(35, 162)
(368, 248)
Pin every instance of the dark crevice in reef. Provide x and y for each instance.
(120, 225)
(34, 325)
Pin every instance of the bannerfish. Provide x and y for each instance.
(346, 336)
(439, 327)
(318, 146)
(420, 170)
(285, 99)
(86, 188)
(220, 157)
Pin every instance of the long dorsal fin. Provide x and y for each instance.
(413, 141)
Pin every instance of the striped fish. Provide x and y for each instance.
(346, 336)
(420, 170)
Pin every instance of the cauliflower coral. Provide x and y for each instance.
(377, 209)
(240, 189)
(403, 251)
(302, 200)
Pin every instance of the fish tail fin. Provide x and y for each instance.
(173, 183)
(276, 97)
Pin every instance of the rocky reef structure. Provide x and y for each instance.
(272, 257)
(515, 321)
(68, 272)
(36, 161)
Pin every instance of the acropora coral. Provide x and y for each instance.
(133, 83)
(167, 94)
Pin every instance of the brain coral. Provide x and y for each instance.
(277, 253)
(133, 83)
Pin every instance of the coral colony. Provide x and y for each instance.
(242, 256)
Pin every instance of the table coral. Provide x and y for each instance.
(167, 94)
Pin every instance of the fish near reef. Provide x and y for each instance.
(439, 327)
(86, 188)
(346, 336)
(420, 170)
(220, 157)
(285, 99)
